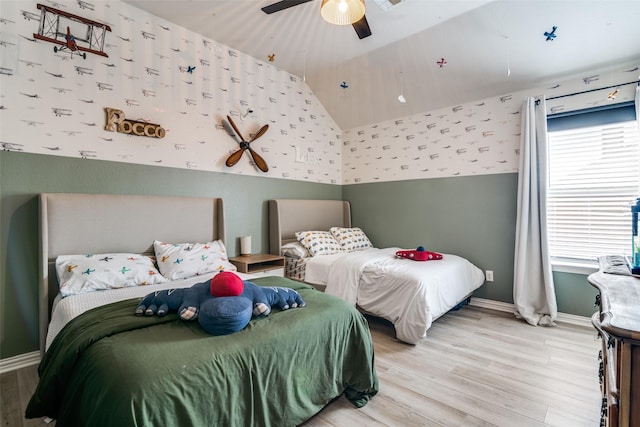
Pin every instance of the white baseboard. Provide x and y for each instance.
(510, 308)
(19, 361)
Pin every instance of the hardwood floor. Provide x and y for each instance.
(477, 367)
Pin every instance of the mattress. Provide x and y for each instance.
(66, 309)
(410, 294)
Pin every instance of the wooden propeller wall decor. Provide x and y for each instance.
(245, 145)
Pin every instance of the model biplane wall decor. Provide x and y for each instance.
(71, 32)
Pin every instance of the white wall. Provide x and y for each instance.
(144, 77)
(476, 138)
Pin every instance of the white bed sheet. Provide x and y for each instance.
(408, 293)
(66, 309)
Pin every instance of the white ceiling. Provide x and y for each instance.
(491, 47)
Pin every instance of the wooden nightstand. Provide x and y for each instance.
(259, 265)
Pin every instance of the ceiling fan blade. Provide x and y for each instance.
(258, 160)
(235, 128)
(362, 27)
(281, 5)
(261, 132)
(235, 157)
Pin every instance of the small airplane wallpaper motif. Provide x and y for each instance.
(104, 86)
(588, 80)
(147, 35)
(84, 70)
(188, 69)
(550, 36)
(85, 5)
(10, 146)
(59, 112)
(30, 16)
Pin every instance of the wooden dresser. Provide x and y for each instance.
(618, 323)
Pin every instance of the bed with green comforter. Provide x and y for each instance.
(109, 367)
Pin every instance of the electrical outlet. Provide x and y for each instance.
(488, 274)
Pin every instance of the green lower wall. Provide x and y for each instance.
(474, 217)
(470, 216)
(23, 176)
(574, 294)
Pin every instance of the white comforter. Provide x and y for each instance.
(66, 309)
(410, 294)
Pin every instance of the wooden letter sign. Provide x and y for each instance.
(117, 122)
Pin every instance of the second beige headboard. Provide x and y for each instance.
(286, 216)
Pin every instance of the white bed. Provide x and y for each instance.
(410, 294)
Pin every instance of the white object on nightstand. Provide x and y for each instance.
(245, 245)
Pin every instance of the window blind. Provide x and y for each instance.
(594, 177)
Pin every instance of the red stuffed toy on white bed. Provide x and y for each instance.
(419, 254)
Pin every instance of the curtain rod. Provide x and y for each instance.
(593, 90)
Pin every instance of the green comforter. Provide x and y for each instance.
(111, 368)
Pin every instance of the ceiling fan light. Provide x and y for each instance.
(342, 12)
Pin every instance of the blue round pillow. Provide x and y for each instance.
(225, 315)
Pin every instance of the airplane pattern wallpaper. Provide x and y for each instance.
(54, 102)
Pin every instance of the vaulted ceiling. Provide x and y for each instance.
(490, 48)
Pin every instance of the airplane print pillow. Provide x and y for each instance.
(78, 274)
(294, 250)
(351, 239)
(318, 242)
(184, 260)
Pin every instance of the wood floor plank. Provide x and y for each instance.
(477, 367)
(11, 414)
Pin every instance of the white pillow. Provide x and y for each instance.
(78, 274)
(351, 239)
(184, 260)
(294, 250)
(319, 242)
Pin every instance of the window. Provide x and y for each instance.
(594, 177)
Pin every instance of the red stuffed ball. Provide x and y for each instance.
(226, 284)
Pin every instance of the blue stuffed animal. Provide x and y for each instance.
(216, 304)
(283, 298)
(184, 301)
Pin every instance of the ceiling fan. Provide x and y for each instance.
(362, 26)
(244, 145)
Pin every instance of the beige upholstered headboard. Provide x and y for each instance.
(286, 216)
(103, 223)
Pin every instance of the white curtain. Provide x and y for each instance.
(533, 289)
(638, 104)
